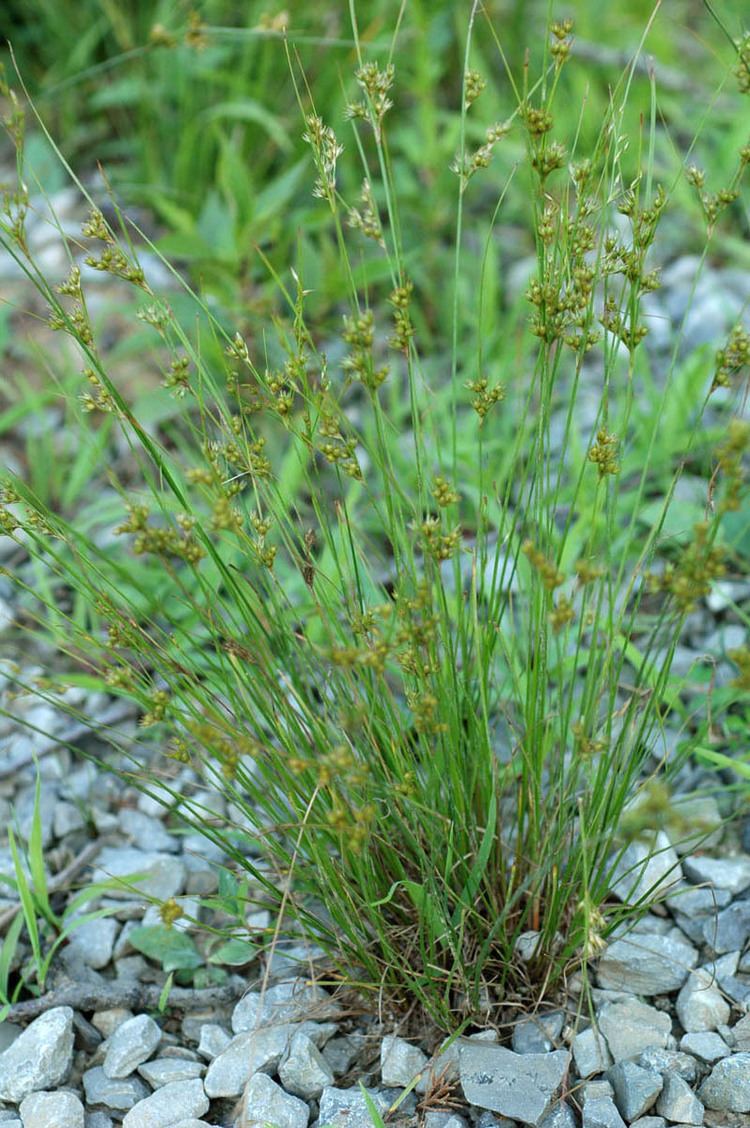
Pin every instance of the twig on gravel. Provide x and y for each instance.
(60, 880)
(133, 996)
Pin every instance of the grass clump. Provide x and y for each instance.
(401, 608)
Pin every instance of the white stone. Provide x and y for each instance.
(400, 1062)
(42, 1110)
(39, 1058)
(131, 1044)
(177, 1101)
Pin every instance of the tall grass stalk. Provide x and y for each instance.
(409, 625)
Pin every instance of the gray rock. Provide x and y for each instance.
(142, 828)
(697, 901)
(400, 1062)
(706, 1046)
(436, 1118)
(700, 1004)
(729, 931)
(318, 1032)
(646, 964)
(267, 1103)
(593, 1090)
(120, 1094)
(646, 873)
(346, 1108)
(649, 1122)
(520, 1086)
(635, 1088)
(537, 1035)
(107, 1021)
(177, 1101)
(678, 1103)
(68, 818)
(255, 1051)
(488, 1119)
(740, 1035)
(341, 1052)
(131, 1044)
(304, 1071)
(39, 1058)
(669, 1061)
(732, 874)
(163, 1070)
(92, 942)
(291, 1001)
(727, 1087)
(590, 1053)
(42, 1110)
(192, 1123)
(561, 1116)
(601, 1112)
(97, 1119)
(213, 1040)
(632, 1026)
(163, 875)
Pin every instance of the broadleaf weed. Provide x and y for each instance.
(367, 571)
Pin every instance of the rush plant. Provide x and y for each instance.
(408, 620)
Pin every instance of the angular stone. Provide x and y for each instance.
(267, 1103)
(39, 1058)
(729, 930)
(304, 1071)
(520, 1086)
(646, 964)
(256, 1051)
(346, 1108)
(601, 1112)
(700, 1004)
(646, 873)
(213, 1040)
(669, 1061)
(727, 1088)
(177, 1101)
(400, 1062)
(706, 1046)
(632, 1026)
(740, 1035)
(436, 1118)
(341, 1052)
(97, 1119)
(591, 1053)
(694, 901)
(636, 1088)
(678, 1103)
(292, 1001)
(107, 1021)
(649, 1122)
(120, 1094)
(537, 1035)
(163, 874)
(92, 942)
(561, 1116)
(131, 1044)
(161, 1071)
(732, 874)
(42, 1110)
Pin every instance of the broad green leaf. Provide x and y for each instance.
(173, 949)
(234, 953)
